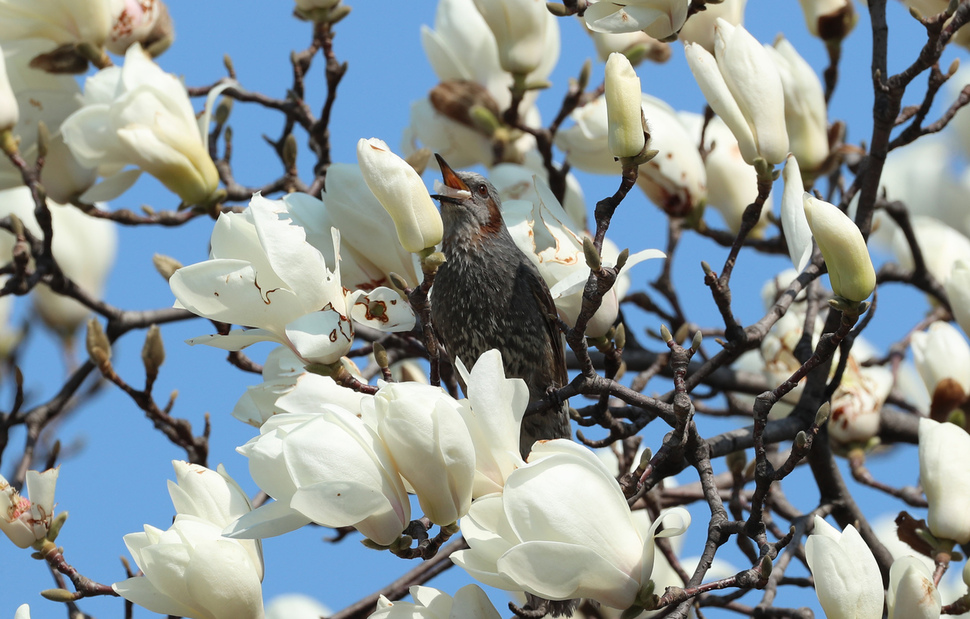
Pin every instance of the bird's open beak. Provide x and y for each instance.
(453, 189)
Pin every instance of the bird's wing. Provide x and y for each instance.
(544, 301)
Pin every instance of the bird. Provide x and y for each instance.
(489, 294)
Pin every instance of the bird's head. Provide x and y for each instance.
(470, 205)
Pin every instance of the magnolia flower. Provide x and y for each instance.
(27, 521)
(742, 86)
(60, 21)
(857, 402)
(463, 50)
(944, 471)
(370, 248)
(622, 94)
(469, 602)
(84, 247)
(296, 606)
(518, 182)
(675, 179)
(493, 415)
(23, 612)
(402, 193)
(830, 20)
(48, 98)
(806, 114)
(942, 357)
(843, 248)
(538, 230)
(732, 184)
(847, 579)
(430, 445)
(941, 245)
(142, 21)
(699, 28)
(327, 467)
(263, 274)
(139, 115)
(958, 290)
(798, 235)
(288, 388)
(561, 529)
(912, 592)
(9, 110)
(661, 19)
(190, 570)
(519, 27)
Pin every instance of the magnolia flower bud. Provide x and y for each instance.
(944, 471)
(942, 357)
(843, 248)
(912, 593)
(847, 579)
(700, 27)
(402, 193)
(623, 109)
(958, 289)
(9, 111)
(742, 86)
(519, 27)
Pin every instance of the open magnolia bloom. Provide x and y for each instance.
(139, 115)
(470, 602)
(28, 520)
(661, 19)
(59, 21)
(190, 570)
(847, 578)
(264, 274)
(562, 529)
(538, 229)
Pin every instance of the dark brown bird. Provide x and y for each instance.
(488, 294)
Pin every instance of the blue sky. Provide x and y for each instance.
(113, 481)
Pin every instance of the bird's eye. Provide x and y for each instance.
(482, 190)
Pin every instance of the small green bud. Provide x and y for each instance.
(583, 81)
(58, 595)
(766, 566)
(622, 258)
(289, 151)
(98, 345)
(43, 139)
(593, 260)
(665, 334)
(380, 355)
(397, 281)
(801, 439)
(56, 525)
(695, 344)
(153, 352)
(736, 461)
(822, 415)
(166, 265)
(619, 338)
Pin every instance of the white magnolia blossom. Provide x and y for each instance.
(829, 19)
(625, 130)
(190, 570)
(675, 179)
(470, 602)
(912, 593)
(423, 430)
(519, 27)
(847, 578)
(296, 606)
(369, 246)
(84, 247)
(59, 21)
(743, 87)
(462, 47)
(661, 19)
(23, 612)
(402, 193)
(262, 273)
(538, 230)
(944, 471)
(732, 184)
(806, 114)
(48, 98)
(699, 28)
(958, 290)
(941, 246)
(857, 402)
(635, 45)
(942, 357)
(139, 115)
(562, 529)
(328, 467)
(843, 248)
(798, 235)
(27, 520)
(493, 415)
